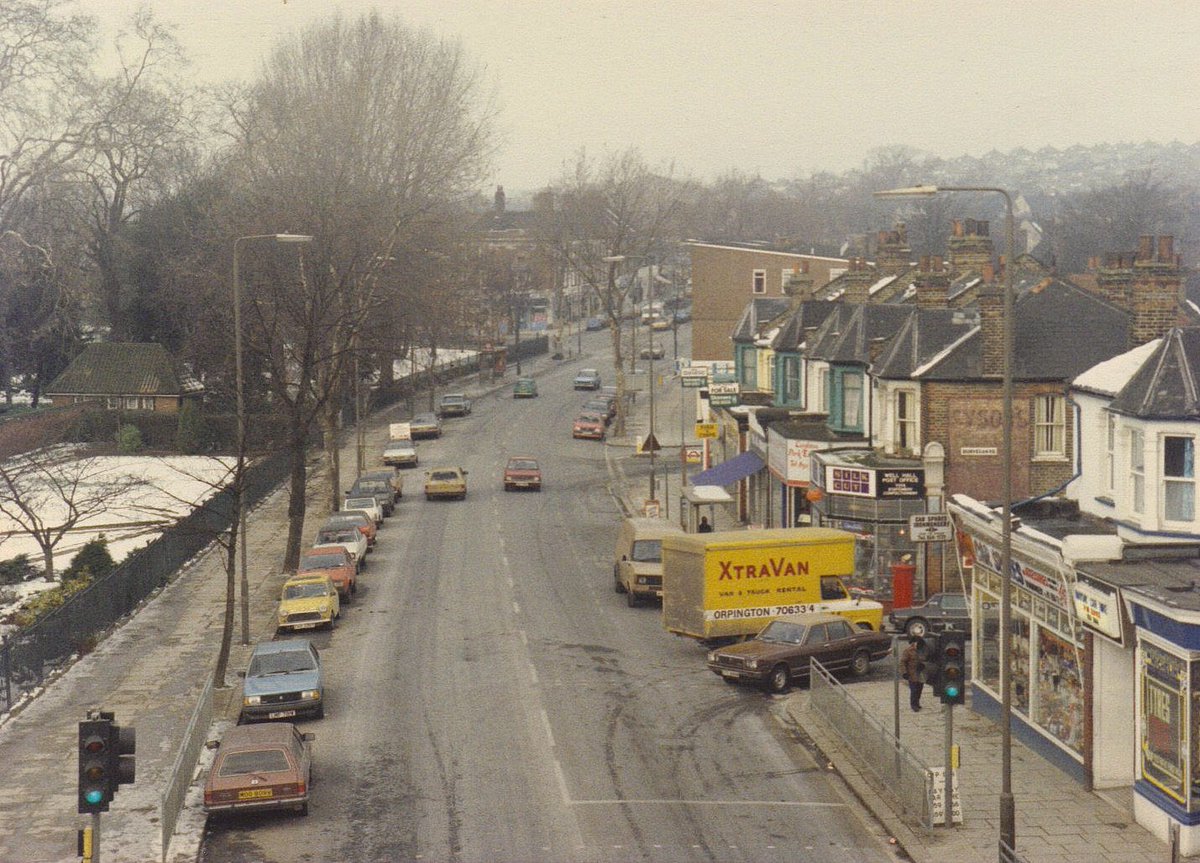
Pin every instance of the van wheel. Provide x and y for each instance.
(779, 680)
(632, 599)
(860, 663)
(618, 585)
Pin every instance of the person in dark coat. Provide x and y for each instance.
(704, 526)
(912, 670)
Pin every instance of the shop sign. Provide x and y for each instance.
(1097, 607)
(1047, 586)
(790, 459)
(723, 395)
(693, 453)
(694, 377)
(870, 482)
(707, 430)
(651, 508)
(1163, 731)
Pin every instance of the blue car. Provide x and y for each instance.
(283, 681)
(587, 379)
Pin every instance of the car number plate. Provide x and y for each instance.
(303, 625)
(281, 714)
(734, 675)
(256, 793)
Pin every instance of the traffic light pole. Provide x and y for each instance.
(95, 858)
(948, 785)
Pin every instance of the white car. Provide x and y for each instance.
(400, 453)
(348, 537)
(366, 504)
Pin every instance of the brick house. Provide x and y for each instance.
(128, 376)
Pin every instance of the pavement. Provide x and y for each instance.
(151, 670)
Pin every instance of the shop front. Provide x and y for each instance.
(871, 496)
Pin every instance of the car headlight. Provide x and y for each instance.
(251, 700)
(326, 608)
(712, 656)
(310, 695)
(752, 663)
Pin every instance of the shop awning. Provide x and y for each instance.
(728, 472)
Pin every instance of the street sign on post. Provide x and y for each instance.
(693, 453)
(930, 527)
(693, 377)
(707, 430)
(723, 395)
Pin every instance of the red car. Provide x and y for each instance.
(522, 471)
(588, 425)
(335, 562)
(265, 766)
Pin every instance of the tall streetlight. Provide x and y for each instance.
(241, 410)
(1008, 810)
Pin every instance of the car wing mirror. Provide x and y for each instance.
(241, 674)
(308, 735)
(212, 744)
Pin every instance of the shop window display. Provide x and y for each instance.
(1162, 745)
(1019, 666)
(1059, 704)
(987, 640)
(1195, 724)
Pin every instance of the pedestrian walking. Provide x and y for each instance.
(704, 526)
(912, 669)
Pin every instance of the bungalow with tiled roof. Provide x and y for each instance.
(127, 376)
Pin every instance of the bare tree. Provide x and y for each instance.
(49, 492)
(603, 218)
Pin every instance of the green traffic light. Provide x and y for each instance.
(94, 796)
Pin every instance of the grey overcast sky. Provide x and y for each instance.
(776, 88)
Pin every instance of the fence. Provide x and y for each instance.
(180, 777)
(75, 626)
(897, 771)
(1008, 855)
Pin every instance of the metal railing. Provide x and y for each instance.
(180, 777)
(1009, 855)
(896, 770)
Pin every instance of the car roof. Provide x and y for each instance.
(392, 444)
(525, 457)
(257, 734)
(308, 576)
(810, 618)
(284, 645)
(323, 549)
(379, 474)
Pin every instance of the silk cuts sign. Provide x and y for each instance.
(884, 483)
(790, 460)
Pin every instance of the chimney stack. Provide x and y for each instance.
(857, 281)
(1114, 278)
(893, 255)
(970, 247)
(991, 327)
(1156, 291)
(799, 286)
(932, 282)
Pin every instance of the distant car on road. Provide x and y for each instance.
(940, 612)
(682, 316)
(367, 503)
(260, 767)
(348, 537)
(449, 482)
(376, 486)
(356, 518)
(780, 654)
(425, 425)
(588, 425)
(603, 405)
(522, 471)
(660, 324)
(525, 388)
(283, 681)
(453, 405)
(335, 562)
(587, 379)
(653, 352)
(400, 453)
(595, 324)
(306, 602)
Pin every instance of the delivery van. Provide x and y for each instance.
(637, 560)
(726, 585)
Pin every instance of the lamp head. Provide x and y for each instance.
(908, 192)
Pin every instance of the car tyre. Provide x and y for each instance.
(632, 599)
(320, 714)
(779, 680)
(918, 627)
(860, 663)
(304, 810)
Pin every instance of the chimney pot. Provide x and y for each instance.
(1165, 248)
(1145, 250)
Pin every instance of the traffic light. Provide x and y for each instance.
(953, 678)
(927, 653)
(122, 748)
(95, 791)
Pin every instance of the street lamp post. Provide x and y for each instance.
(241, 411)
(1008, 809)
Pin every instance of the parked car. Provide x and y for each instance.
(652, 352)
(606, 407)
(335, 562)
(391, 477)
(425, 426)
(587, 379)
(448, 482)
(779, 655)
(260, 767)
(522, 471)
(345, 536)
(682, 316)
(588, 425)
(378, 487)
(400, 453)
(660, 324)
(596, 324)
(356, 518)
(940, 612)
(367, 503)
(525, 388)
(283, 681)
(453, 405)
(306, 602)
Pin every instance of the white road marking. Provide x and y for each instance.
(808, 804)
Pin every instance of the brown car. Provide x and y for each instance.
(335, 562)
(522, 471)
(779, 654)
(260, 767)
(588, 425)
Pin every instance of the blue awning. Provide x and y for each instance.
(728, 472)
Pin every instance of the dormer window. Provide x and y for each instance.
(1179, 478)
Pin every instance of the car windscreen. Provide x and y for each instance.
(443, 476)
(284, 662)
(782, 631)
(336, 537)
(647, 550)
(321, 561)
(522, 464)
(372, 486)
(304, 591)
(425, 419)
(359, 502)
(257, 761)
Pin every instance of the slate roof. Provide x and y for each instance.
(865, 324)
(759, 312)
(810, 313)
(1167, 386)
(922, 336)
(1059, 331)
(123, 368)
